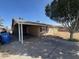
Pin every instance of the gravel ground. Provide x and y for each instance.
(39, 49)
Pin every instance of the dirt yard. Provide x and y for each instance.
(66, 35)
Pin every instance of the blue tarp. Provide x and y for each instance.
(5, 38)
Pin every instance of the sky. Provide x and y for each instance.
(31, 10)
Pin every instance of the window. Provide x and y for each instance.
(41, 29)
(46, 29)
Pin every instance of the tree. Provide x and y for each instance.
(1, 21)
(65, 12)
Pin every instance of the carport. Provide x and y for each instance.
(28, 28)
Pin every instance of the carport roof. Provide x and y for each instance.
(18, 21)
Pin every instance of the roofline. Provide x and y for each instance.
(30, 22)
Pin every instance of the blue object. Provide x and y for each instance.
(6, 38)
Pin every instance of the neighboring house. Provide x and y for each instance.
(21, 28)
(1, 28)
(62, 29)
(9, 30)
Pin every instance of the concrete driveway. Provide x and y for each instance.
(40, 49)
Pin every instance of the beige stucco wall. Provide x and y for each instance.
(51, 31)
(34, 30)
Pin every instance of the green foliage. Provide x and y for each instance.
(1, 21)
(62, 8)
(65, 12)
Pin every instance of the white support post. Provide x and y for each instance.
(45, 32)
(21, 34)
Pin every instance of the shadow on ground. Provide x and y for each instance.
(54, 37)
(46, 48)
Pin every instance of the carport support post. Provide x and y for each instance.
(19, 32)
(45, 32)
(22, 33)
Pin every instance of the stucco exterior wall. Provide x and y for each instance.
(51, 31)
(35, 30)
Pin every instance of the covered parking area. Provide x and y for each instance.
(22, 28)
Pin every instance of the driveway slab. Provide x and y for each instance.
(40, 49)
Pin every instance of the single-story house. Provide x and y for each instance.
(21, 28)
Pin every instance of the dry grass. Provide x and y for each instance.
(66, 35)
(63, 34)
